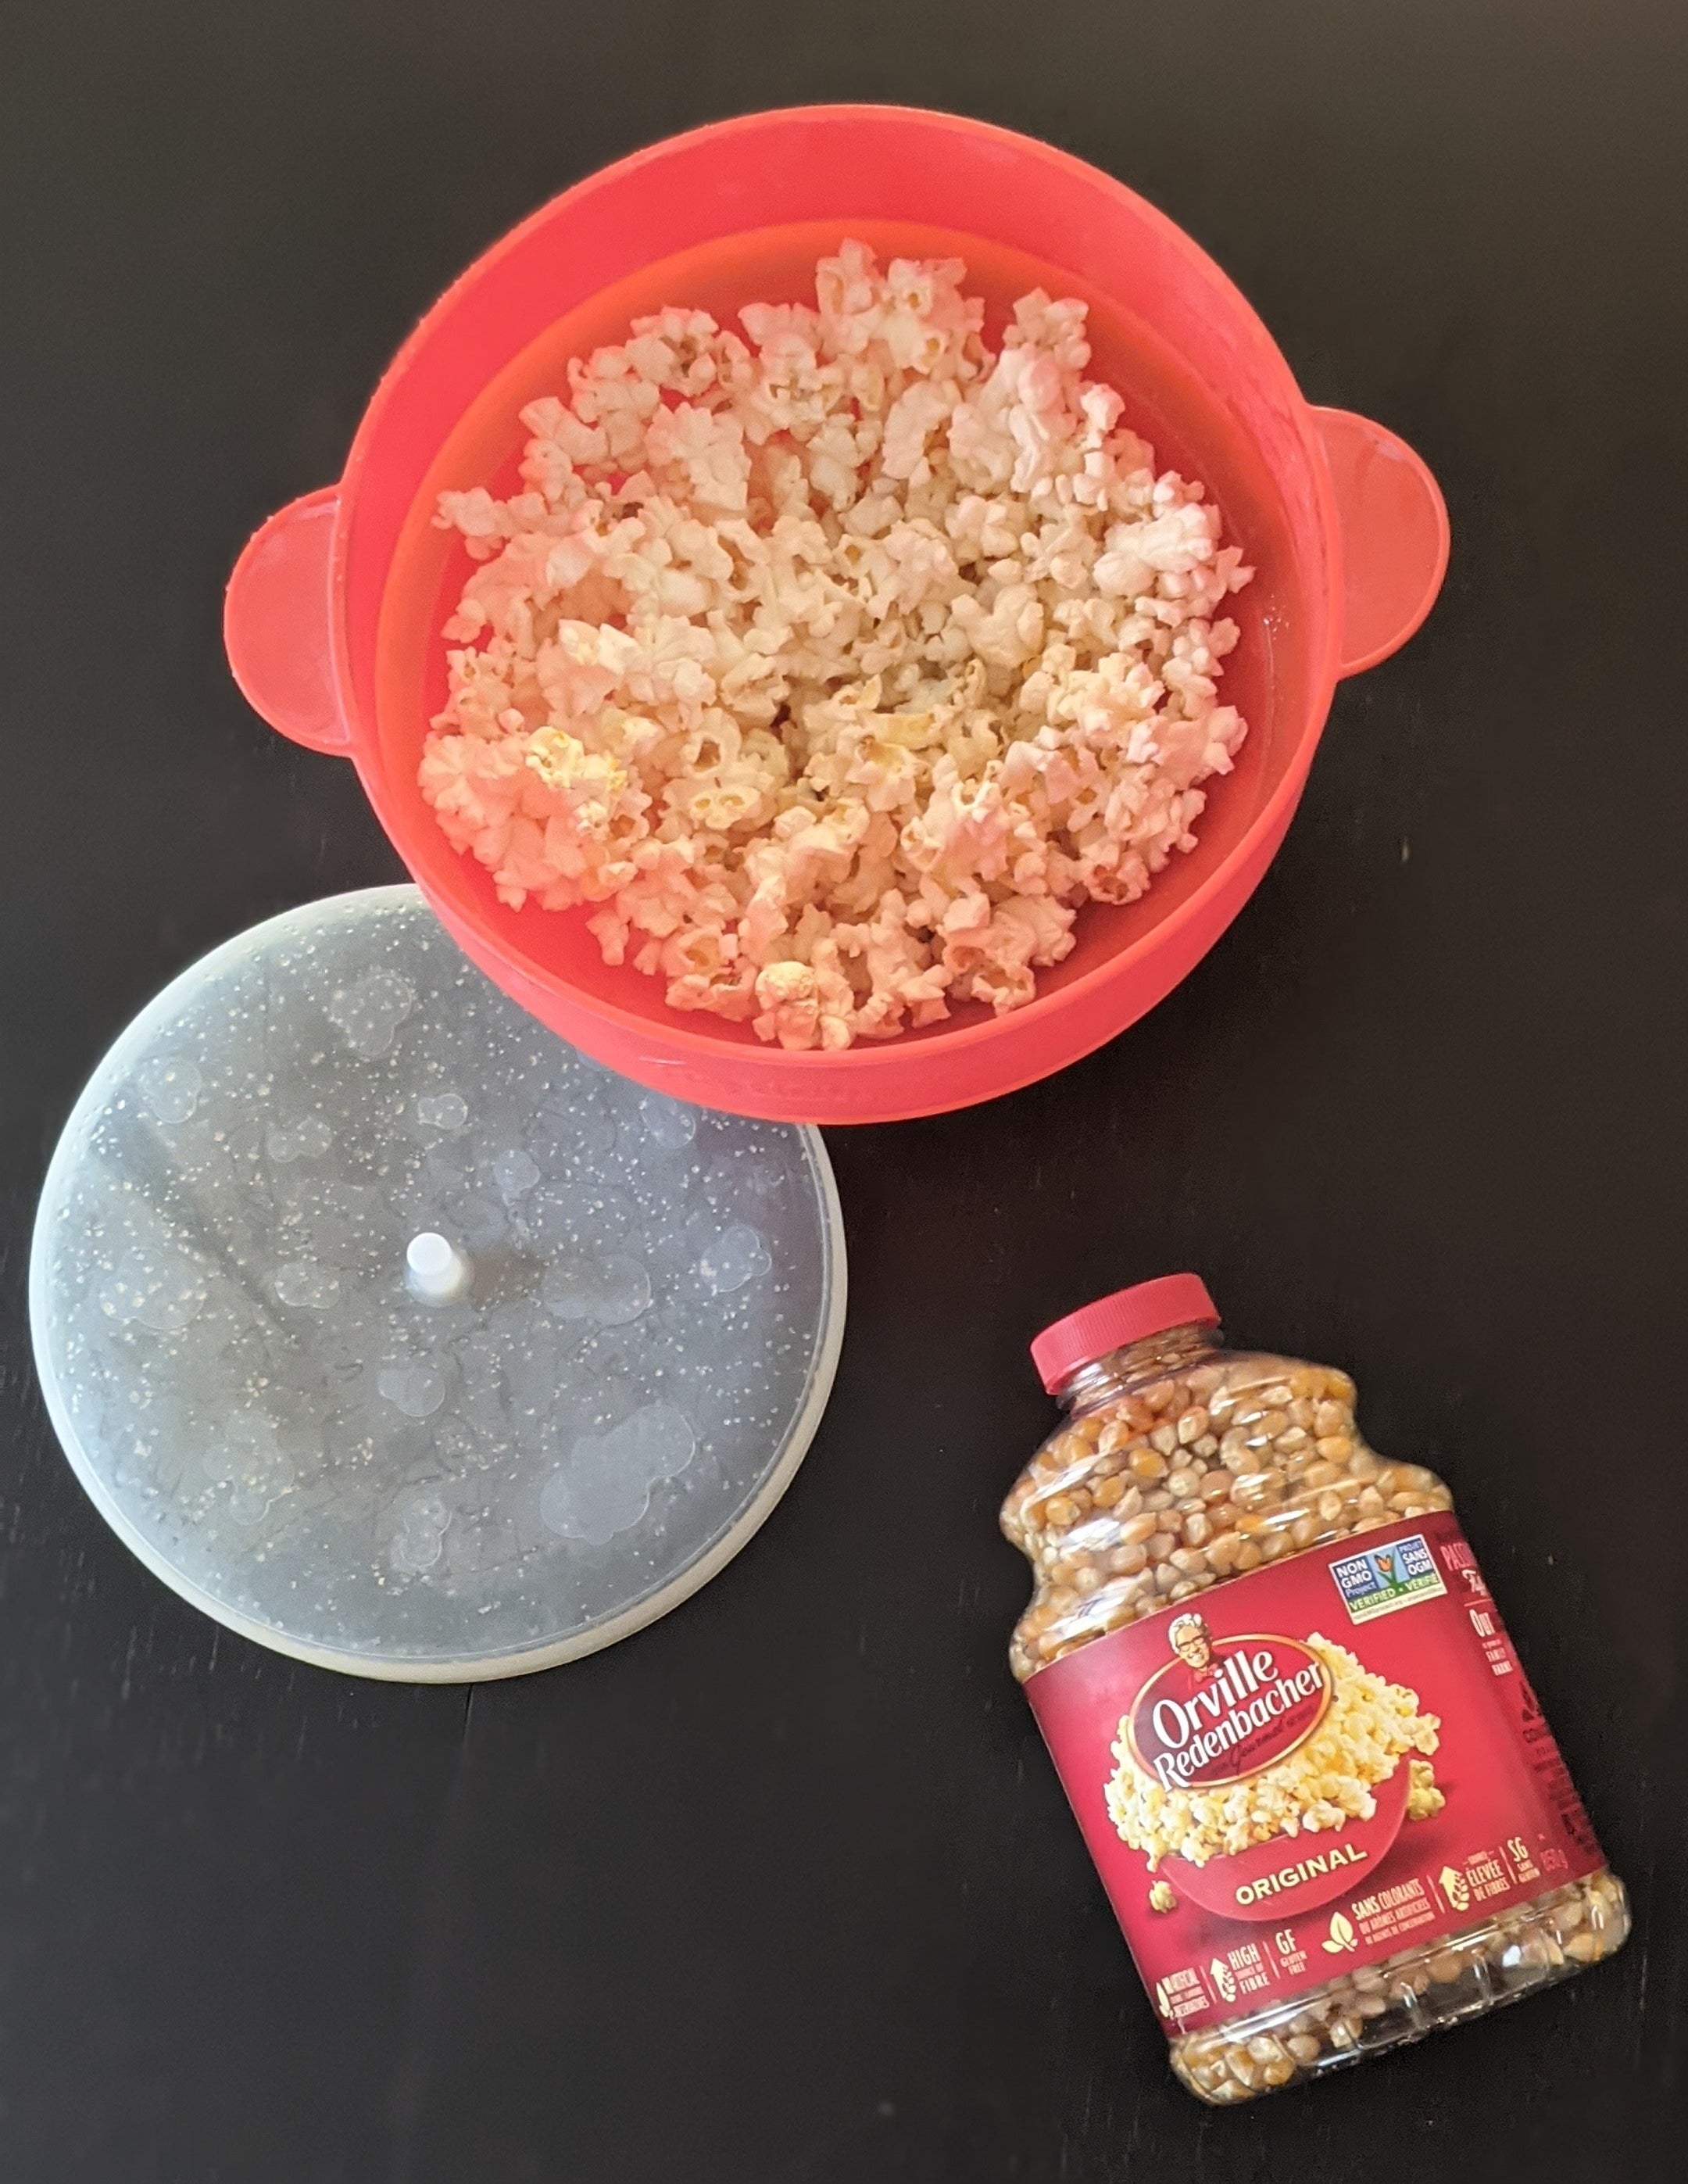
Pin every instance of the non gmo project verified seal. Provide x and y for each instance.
(1380, 1580)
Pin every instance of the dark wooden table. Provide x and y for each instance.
(782, 1891)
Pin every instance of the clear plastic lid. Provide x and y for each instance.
(392, 1332)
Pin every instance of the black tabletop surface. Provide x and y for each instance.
(783, 1891)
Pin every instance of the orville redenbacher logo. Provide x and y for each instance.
(1225, 1707)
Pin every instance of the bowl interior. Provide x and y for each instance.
(1203, 428)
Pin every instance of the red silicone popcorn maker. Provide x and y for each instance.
(334, 608)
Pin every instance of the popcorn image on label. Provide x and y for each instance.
(1327, 1780)
(835, 664)
(1425, 1798)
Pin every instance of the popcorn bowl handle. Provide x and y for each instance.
(1394, 536)
(277, 621)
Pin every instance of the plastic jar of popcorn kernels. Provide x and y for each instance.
(1313, 1777)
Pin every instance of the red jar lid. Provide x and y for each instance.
(1111, 1322)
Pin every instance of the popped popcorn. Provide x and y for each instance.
(1425, 1795)
(836, 665)
(1324, 1783)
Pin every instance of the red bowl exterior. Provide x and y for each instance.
(314, 585)
(954, 1070)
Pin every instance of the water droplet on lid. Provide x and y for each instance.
(309, 1139)
(737, 1257)
(417, 1390)
(171, 1087)
(370, 1010)
(443, 1111)
(515, 1172)
(624, 1291)
(605, 1486)
(417, 1543)
(157, 1288)
(670, 1122)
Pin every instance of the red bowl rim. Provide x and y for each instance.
(890, 1056)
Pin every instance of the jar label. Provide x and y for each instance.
(1311, 1769)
